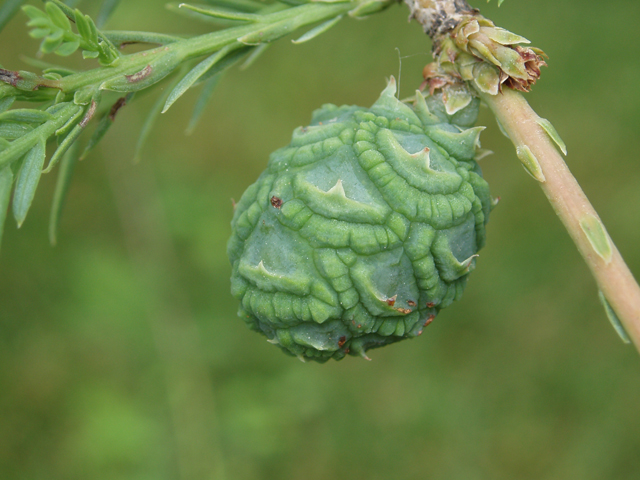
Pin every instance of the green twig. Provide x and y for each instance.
(7, 10)
(69, 99)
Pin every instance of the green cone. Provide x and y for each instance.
(362, 229)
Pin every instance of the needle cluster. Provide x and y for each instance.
(68, 103)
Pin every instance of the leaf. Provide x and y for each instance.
(25, 115)
(7, 11)
(43, 23)
(295, 3)
(58, 100)
(84, 28)
(65, 172)
(22, 145)
(85, 95)
(103, 127)
(63, 147)
(92, 27)
(48, 67)
(226, 63)
(203, 100)
(70, 123)
(190, 78)
(270, 32)
(6, 182)
(67, 49)
(106, 9)
(11, 131)
(120, 37)
(52, 42)
(175, 8)
(255, 54)
(33, 12)
(210, 81)
(73, 135)
(365, 9)
(248, 6)
(52, 76)
(56, 107)
(27, 181)
(66, 10)
(56, 15)
(39, 33)
(530, 163)
(108, 51)
(105, 123)
(597, 235)
(5, 103)
(90, 54)
(225, 14)
(54, 27)
(96, 41)
(314, 32)
(150, 121)
(613, 318)
(553, 134)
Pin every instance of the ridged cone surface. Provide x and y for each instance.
(362, 229)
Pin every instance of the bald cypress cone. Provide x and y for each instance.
(362, 229)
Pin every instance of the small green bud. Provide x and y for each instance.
(489, 56)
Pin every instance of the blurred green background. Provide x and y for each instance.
(121, 356)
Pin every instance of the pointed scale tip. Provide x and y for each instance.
(423, 157)
(337, 189)
(422, 110)
(389, 106)
(482, 153)
(358, 348)
(468, 264)
(391, 89)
